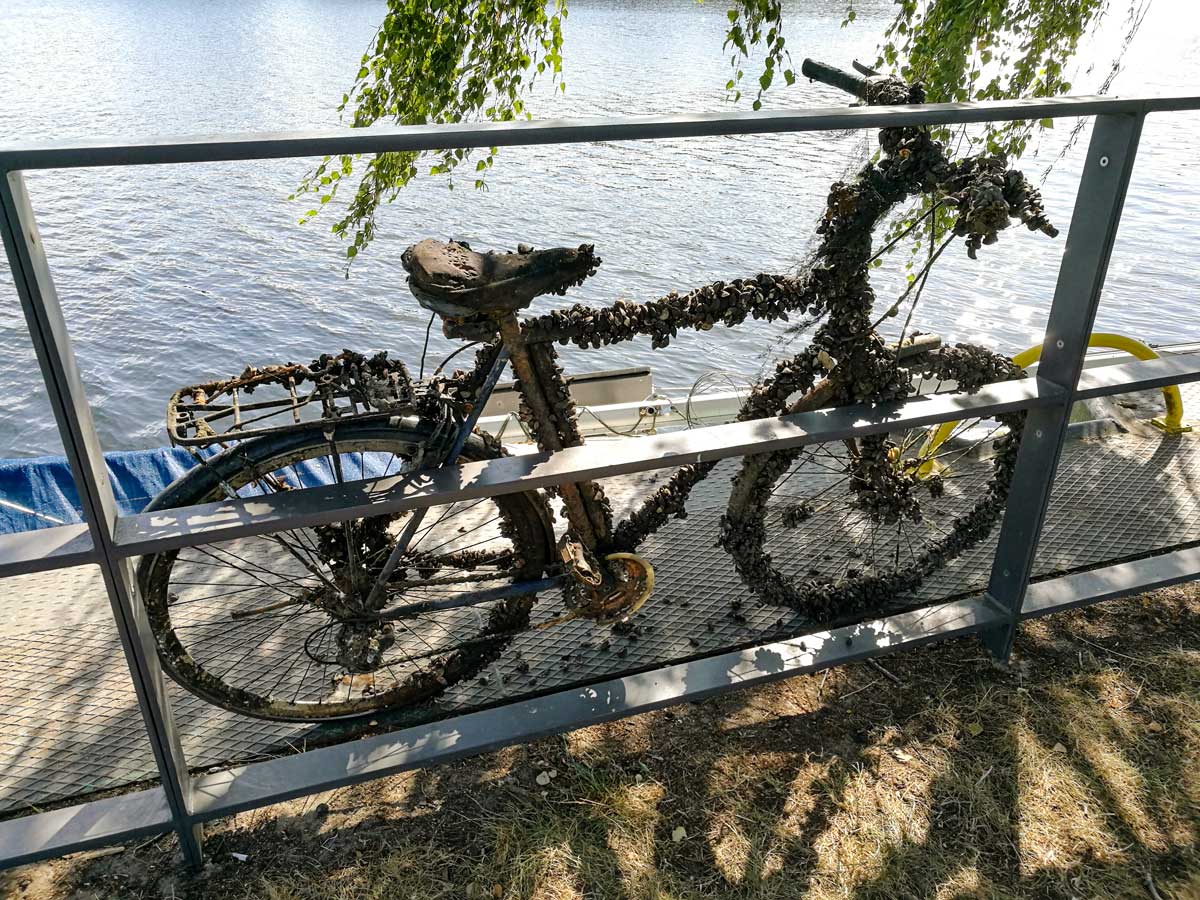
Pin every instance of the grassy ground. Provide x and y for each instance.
(1075, 774)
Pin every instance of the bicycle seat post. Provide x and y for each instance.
(479, 294)
(549, 427)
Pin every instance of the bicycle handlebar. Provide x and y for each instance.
(835, 77)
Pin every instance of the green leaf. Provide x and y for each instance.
(1046, 123)
(443, 61)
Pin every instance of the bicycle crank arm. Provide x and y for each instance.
(471, 598)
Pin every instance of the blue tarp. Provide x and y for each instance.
(39, 492)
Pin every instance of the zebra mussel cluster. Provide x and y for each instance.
(720, 303)
(991, 196)
(461, 387)
(886, 495)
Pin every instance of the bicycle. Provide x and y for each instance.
(345, 620)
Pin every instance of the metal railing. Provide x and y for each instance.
(183, 801)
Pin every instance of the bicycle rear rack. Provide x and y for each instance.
(331, 389)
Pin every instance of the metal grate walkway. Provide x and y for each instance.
(69, 722)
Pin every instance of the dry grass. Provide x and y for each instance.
(1073, 775)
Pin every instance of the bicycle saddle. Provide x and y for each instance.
(453, 280)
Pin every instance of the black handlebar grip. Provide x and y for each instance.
(835, 77)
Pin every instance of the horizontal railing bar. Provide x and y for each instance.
(222, 520)
(258, 784)
(97, 823)
(108, 821)
(1138, 375)
(224, 148)
(59, 547)
(70, 545)
(1110, 582)
(114, 819)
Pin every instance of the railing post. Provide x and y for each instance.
(66, 393)
(1081, 273)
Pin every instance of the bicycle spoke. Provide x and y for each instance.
(311, 566)
(247, 610)
(472, 546)
(191, 601)
(211, 553)
(461, 535)
(449, 509)
(220, 563)
(269, 633)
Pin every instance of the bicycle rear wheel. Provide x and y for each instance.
(836, 529)
(266, 625)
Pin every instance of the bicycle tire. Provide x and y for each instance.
(524, 520)
(751, 529)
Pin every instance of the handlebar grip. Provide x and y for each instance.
(835, 77)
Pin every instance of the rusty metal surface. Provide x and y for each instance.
(276, 398)
(69, 721)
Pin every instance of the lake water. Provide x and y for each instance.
(170, 275)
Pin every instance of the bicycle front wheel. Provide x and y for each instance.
(833, 530)
(273, 626)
